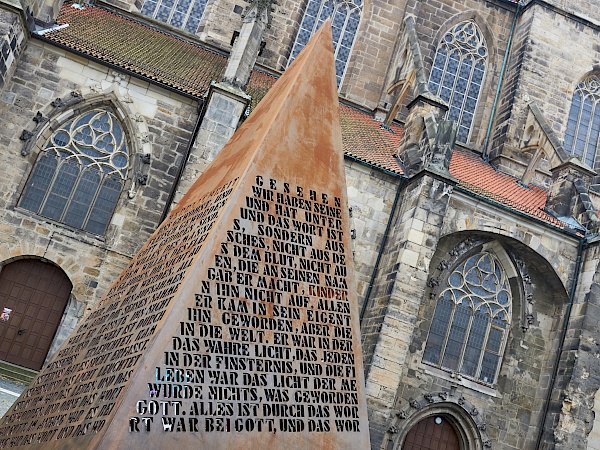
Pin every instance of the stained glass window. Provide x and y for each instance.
(583, 127)
(457, 73)
(184, 14)
(345, 17)
(78, 177)
(471, 320)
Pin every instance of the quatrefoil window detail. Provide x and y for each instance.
(458, 72)
(471, 321)
(583, 128)
(78, 176)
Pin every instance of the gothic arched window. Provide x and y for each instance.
(184, 14)
(457, 73)
(345, 17)
(79, 175)
(583, 127)
(472, 318)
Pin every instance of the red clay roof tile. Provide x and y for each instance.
(139, 48)
(482, 179)
(258, 86)
(364, 139)
(189, 68)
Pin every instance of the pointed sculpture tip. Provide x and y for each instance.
(326, 28)
(323, 38)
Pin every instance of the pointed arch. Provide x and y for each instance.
(583, 125)
(473, 316)
(345, 18)
(80, 173)
(82, 159)
(34, 294)
(452, 406)
(458, 73)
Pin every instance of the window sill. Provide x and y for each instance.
(459, 380)
(62, 228)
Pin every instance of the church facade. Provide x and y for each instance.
(471, 133)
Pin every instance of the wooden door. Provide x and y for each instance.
(432, 433)
(36, 293)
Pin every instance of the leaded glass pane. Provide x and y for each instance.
(495, 340)
(489, 366)
(345, 16)
(104, 205)
(61, 189)
(583, 126)
(457, 73)
(456, 336)
(163, 13)
(69, 180)
(82, 198)
(179, 14)
(475, 342)
(439, 328)
(39, 182)
(469, 327)
(195, 15)
(149, 7)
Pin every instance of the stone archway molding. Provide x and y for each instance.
(63, 108)
(73, 311)
(467, 419)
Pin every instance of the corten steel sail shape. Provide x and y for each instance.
(236, 325)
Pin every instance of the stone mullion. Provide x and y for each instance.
(415, 245)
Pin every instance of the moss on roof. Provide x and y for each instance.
(139, 48)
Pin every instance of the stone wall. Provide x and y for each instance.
(594, 436)
(394, 304)
(396, 328)
(511, 408)
(544, 71)
(158, 122)
(371, 196)
(373, 52)
(220, 19)
(584, 9)
(572, 414)
(376, 37)
(12, 42)
(280, 36)
(162, 124)
(434, 19)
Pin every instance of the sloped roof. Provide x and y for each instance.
(364, 139)
(479, 177)
(139, 48)
(190, 67)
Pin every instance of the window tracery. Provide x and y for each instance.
(472, 318)
(457, 74)
(79, 175)
(345, 18)
(184, 14)
(583, 126)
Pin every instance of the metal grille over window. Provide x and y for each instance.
(471, 320)
(457, 73)
(345, 18)
(79, 175)
(583, 127)
(184, 14)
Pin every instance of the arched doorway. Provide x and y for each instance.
(33, 297)
(432, 433)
